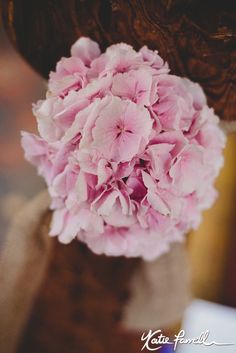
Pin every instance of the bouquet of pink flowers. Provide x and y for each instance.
(129, 152)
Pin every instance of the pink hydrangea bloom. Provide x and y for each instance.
(129, 152)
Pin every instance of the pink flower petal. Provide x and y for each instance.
(85, 49)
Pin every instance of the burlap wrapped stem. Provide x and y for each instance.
(57, 298)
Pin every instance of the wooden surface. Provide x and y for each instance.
(197, 38)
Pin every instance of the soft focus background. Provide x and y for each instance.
(212, 248)
(19, 87)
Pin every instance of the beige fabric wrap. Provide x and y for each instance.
(159, 290)
(22, 264)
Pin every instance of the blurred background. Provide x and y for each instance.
(19, 87)
(212, 248)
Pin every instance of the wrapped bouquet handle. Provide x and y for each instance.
(30, 273)
(24, 259)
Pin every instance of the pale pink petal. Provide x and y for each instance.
(119, 138)
(104, 172)
(135, 85)
(188, 169)
(85, 49)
